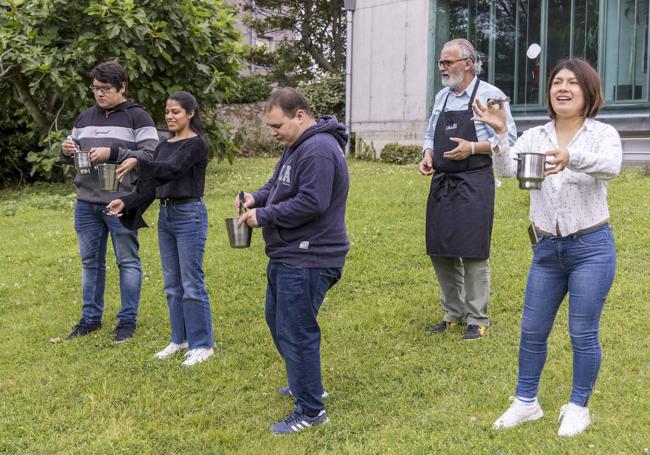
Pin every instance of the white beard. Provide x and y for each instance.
(453, 81)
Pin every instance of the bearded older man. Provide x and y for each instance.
(460, 208)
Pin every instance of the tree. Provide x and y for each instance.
(48, 47)
(319, 29)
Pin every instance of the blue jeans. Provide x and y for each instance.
(293, 297)
(182, 233)
(583, 266)
(93, 226)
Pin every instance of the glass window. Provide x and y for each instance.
(502, 31)
(626, 51)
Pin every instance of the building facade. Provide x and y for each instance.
(396, 45)
(251, 38)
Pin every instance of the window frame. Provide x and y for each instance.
(438, 30)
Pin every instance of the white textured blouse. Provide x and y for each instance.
(575, 198)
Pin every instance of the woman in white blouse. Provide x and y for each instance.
(575, 252)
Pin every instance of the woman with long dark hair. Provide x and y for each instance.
(574, 249)
(176, 176)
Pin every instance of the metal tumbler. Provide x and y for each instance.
(107, 179)
(239, 236)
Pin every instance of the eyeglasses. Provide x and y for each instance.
(446, 63)
(103, 90)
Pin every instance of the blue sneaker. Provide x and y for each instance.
(296, 422)
(287, 392)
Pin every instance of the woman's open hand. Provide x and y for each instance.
(496, 118)
(125, 167)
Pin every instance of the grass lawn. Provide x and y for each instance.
(394, 387)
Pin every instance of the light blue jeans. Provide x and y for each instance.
(182, 233)
(93, 226)
(583, 266)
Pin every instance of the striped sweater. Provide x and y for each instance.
(127, 129)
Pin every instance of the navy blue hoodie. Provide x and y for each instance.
(302, 207)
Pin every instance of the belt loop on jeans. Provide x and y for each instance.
(165, 201)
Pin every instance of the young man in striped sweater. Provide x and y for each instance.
(112, 130)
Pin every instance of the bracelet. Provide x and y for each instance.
(473, 150)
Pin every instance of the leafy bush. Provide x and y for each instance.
(401, 154)
(17, 138)
(47, 49)
(250, 89)
(326, 95)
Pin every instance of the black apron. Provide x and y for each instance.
(460, 208)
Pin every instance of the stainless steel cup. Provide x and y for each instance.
(239, 236)
(82, 161)
(530, 170)
(107, 179)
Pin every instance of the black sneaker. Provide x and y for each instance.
(474, 332)
(444, 325)
(296, 422)
(124, 330)
(83, 328)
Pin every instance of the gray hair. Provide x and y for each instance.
(467, 51)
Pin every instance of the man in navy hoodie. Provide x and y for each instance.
(301, 210)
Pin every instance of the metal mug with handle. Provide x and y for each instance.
(239, 236)
(81, 157)
(82, 161)
(530, 170)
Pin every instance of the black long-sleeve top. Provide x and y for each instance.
(177, 171)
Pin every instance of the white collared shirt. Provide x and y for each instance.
(575, 198)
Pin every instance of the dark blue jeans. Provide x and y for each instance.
(293, 297)
(583, 266)
(182, 233)
(93, 226)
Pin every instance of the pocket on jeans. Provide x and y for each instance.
(330, 278)
(290, 280)
(598, 238)
(539, 242)
(188, 209)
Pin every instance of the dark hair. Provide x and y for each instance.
(588, 80)
(111, 73)
(189, 103)
(289, 100)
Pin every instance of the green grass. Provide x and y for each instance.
(394, 388)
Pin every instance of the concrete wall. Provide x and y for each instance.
(389, 71)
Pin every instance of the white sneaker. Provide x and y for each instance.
(198, 355)
(575, 419)
(519, 412)
(172, 348)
